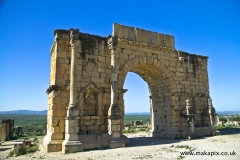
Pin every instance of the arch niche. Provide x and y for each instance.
(161, 84)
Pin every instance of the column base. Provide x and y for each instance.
(72, 146)
(116, 143)
(52, 145)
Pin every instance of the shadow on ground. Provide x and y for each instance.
(7, 145)
(4, 149)
(150, 141)
(226, 131)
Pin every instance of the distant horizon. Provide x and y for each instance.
(125, 112)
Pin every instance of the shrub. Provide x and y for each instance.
(223, 119)
(11, 154)
(34, 128)
(31, 148)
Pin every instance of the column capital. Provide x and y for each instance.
(75, 43)
(112, 43)
(74, 37)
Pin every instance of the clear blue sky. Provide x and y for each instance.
(206, 27)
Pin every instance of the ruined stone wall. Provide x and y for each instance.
(6, 130)
(1, 133)
(17, 131)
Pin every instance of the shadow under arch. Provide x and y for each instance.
(161, 85)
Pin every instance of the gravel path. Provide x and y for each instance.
(143, 147)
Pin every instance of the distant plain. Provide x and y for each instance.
(25, 119)
(29, 119)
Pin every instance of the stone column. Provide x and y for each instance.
(4, 133)
(210, 110)
(154, 117)
(217, 119)
(71, 142)
(11, 128)
(210, 116)
(151, 114)
(190, 120)
(72, 103)
(121, 107)
(113, 48)
(114, 122)
(187, 106)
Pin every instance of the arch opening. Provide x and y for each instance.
(137, 110)
(159, 92)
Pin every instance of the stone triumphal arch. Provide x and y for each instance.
(86, 95)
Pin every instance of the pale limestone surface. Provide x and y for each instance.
(86, 95)
(144, 148)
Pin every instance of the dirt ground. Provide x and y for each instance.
(143, 147)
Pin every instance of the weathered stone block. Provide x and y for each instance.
(70, 129)
(71, 122)
(117, 121)
(57, 136)
(100, 121)
(116, 143)
(95, 117)
(101, 69)
(72, 146)
(58, 113)
(86, 117)
(115, 128)
(104, 127)
(88, 122)
(101, 59)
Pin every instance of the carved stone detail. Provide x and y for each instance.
(53, 88)
(90, 102)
